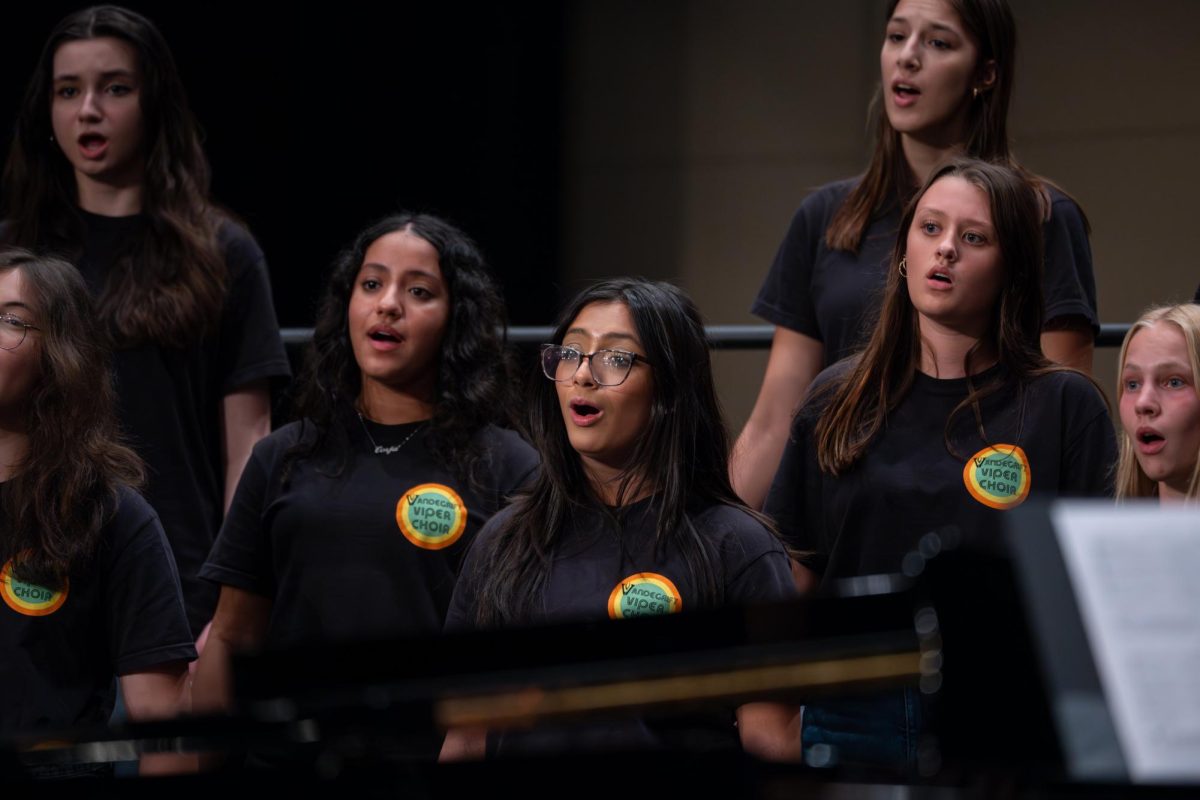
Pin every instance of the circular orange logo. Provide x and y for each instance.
(998, 476)
(29, 598)
(431, 516)
(644, 594)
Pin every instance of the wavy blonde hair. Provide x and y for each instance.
(1131, 481)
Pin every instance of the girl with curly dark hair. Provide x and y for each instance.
(88, 585)
(351, 522)
(106, 170)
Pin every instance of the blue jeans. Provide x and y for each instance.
(879, 729)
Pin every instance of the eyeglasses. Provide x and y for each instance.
(609, 367)
(13, 331)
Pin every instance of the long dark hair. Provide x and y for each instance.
(168, 285)
(65, 488)
(883, 373)
(473, 379)
(683, 453)
(888, 182)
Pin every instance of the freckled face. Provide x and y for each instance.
(954, 267)
(1160, 406)
(96, 112)
(604, 423)
(399, 310)
(929, 65)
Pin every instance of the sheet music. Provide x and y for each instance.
(1135, 570)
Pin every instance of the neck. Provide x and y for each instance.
(14, 444)
(944, 351)
(122, 199)
(388, 406)
(1171, 495)
(606, 483)
(924, 155)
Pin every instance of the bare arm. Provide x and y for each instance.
(464, 744)
(245, 418)
(795, 360)
(1069, 342)
(770, 731)
(239, 623)
(158, 693)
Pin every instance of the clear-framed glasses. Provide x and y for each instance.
(13, 331)
(609, 367)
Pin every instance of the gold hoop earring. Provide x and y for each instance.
(904, 266)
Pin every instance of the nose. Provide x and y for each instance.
(90, 108)
(947, 248)
(390, 303)
(1146, 402)
(583, 374)
(908, 57)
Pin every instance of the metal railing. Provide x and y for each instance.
(725, 337)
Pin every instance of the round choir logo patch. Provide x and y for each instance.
(29, 598)
(431, 516)
(644, 594)
(998, 476)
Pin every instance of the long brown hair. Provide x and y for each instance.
(168, 284)
(888, 181)
(883, 373)
(65, 488)
(1131, 481)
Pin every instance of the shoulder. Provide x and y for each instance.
(828, 381)
(238, 246)
(274, 445)
(131, 514)
(1064, 210)
(733, 525)
(485, 541)
(507, 450)
(1077, 391)
(823, 202)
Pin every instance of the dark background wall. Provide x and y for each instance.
(316, 125)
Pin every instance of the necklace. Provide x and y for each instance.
(380, 450)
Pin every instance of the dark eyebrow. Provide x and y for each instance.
(606, 336)
(937, 26)
(977, 222)
(116, 73)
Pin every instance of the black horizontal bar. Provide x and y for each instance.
(733, 337)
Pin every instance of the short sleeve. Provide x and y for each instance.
(1069, 284)
(147, 623)
(786, 297)
(1090, 446)
(250, 348)
(241, 555)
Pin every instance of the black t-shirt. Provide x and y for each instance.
(832, 295)
(371, 553)
(1053, 438)
(605, 569)
(123, 613)
(169, 399)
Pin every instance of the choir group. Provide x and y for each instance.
(935, 319)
